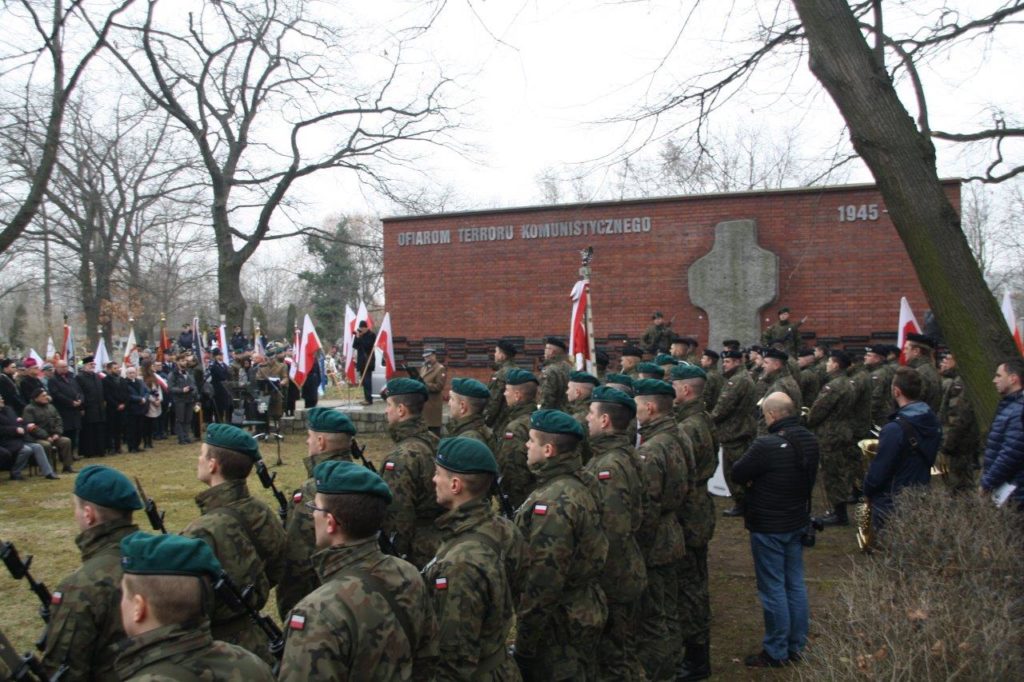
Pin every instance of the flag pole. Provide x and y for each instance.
(588, 312)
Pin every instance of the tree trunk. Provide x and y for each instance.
(902, 161)
(229, 293)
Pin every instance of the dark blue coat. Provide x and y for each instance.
(896, 465)
(138, 397)
(1004, 452)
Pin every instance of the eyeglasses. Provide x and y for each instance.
(312, 507)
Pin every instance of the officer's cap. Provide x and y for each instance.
(732, 354)
(106, 487)
(466, 456)
(650, 368)
(877, 349)
(622, 379)
(711, 353)
(665, 359)
(776, 354)
(328, 420)
(556, 341)
(336, 477)
(584, 378)
(516, 377)
(688, 372)
(405, 387)
(644, 387)
(232, 438)
(606, 394)
(922, 339)
(507, 347)
(470, 388)
(783, 311)
(87, 359)
(555, 421)
(146, 554)
(632, 351)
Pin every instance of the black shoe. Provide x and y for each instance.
(735, 511)
(838, 517)
(763, 660)
(696, 663)
(796, 657)
(68, 470)
(53, 477)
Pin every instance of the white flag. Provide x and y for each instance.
(908, 325)
(101, 356)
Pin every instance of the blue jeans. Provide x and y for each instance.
(779, 566)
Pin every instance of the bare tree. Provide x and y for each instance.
(232, 72)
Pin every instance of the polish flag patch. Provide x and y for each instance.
(509, 435)
(389, 466)
(441, 583)
(540, 509)
(604, 475)
(57, 598)
(297, 498)
(297, 622)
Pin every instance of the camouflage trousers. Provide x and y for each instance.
(569, 644)
(731, 453)
(694, 599)
(617, 656)
(959, 474)
(658, 643)
(842, 469)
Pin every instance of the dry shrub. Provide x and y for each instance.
(942, 599)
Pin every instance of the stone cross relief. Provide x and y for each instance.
(733, 281)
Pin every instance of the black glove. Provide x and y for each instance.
(527, 667)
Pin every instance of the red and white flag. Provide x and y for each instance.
(222, 342)
(579, 343)
(364, 314)
(386, 345)
(293, 366)
(131, 351)
(101, 357)
(908, 325)
(305, 355)
(1011, 320)
(349, 333)
(51, 351)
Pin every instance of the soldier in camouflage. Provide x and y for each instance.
(474, 579)
(658, 336)
(466, 402)
(698, 520)
(624, 383)
(667, 460)
(85, 625)
(785, 332)
(165, 589)
(409, 471)
(881, 384)
(329, 437)
(862, 394)
(776, 378)
(581, 386)
(920, 351)
(244, 533)
(734, 418)
(832, 419)
(808, 379)
(554, 374)
(371, 618)
(621, 499)
(631, 356)
(714, 381)
(495, 414)
(562, 610)
(510, 444)
(961, 437)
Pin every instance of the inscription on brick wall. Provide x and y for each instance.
(601, 227)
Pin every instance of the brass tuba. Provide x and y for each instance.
(865, 533)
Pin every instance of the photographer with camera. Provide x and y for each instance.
(779, 471)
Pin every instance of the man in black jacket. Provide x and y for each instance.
(363, 342)
(91, 439)
(115, 396)
(779, 470)
(8, 387)
(67, 398)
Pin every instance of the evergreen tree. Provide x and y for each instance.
(335, 281)
(18, 321)
(289, 323)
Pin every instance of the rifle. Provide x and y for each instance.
(26, 667)
(358, 453)
(267, 479)
(238, 600)
(20, 569)
(503, 501)
(156, 518)
(386, 542)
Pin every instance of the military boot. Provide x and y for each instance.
(837, 517)
(696, 663)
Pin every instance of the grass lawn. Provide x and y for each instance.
(36, 516)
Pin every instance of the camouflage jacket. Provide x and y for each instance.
(932, 393)
(862, 388)
(510, 452)
(810, 384)
(832, 417)
(472, 426)
(371, 619)
(657, 339)
(667, 461)
(734, 413)
(881, 394)
(788, 334)
(409, 471)
(579, 410)
(496, 411)
(561, 523)
(698, 512)
(474, 585)
(782, 382)
(712, 388)
(85, 613)
(176, 653)
(961, 438)
(297, 575)
(248, 540)
(554, 381)
(622, 499)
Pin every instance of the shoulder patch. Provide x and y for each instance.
(441, 583)
(540, 509)
(56, 598)
(389, 466)
(297, 622)
(509, 435)
(297, 497)
(604, 475)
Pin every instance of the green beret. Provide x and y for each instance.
(665, 359)
(623, 379)
(335, 477)
(406, 387)
(232, 438)
(146, 554)
(650, 368)
(515, 377)
(653, 387)
(470, 388)
(328, 420)
(604, 394)
(466, 456)
(584, 378)
(555, 421)
(688, 372)
(106, 487)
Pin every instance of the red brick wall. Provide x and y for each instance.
(847, 277)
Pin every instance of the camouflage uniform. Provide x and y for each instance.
(409, 472)
(297, 575)
(698, 519)
(474, 583)
(932, 389)
(273, 368)
(473, 427)
(579, 410)
(496, 411)
(621, 499)
(810, 384)
(85, 615)
(434, 376)
(667, 461)
(562, 609)
(656, 339)
(781, 382)
(862, 386)
(248, 540)
(510, 453)
(787, 333)
(735, 423)
(554, 380)
(961, 438)
(171, 653)
(712, 388)
(832, 419)
(371, 619)
(881, 393)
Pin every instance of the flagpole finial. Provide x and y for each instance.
(163, 317)
(131, 320)
(99, 329)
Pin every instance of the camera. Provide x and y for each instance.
(810, 535)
